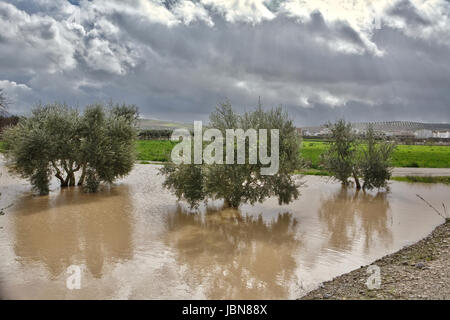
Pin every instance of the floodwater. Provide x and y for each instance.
(133, 241)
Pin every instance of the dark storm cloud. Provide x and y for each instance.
(407, 11)
(178, 61)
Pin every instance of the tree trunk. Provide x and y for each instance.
(60, 178)
(83, 175)
(358, 185)
(227, 203)
(71, 179)
(65, 183)
(58, 174)
(70, 171)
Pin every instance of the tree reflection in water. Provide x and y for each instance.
(351, 216)
(231, 255)
(71, 227)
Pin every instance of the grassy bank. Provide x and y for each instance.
(404, 155)
(313, 172)
(411, 179)
(445, 180)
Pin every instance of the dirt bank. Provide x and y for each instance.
(419, 271)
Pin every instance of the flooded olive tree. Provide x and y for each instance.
(367, 159)
(57, 140)
(239, 178)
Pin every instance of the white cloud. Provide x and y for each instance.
(252, 11)
(188, 12)
(15, 93)
(11, 87)
(155, 11)
(364, 16)
(40, 36)
(367, 16)
(425, 19)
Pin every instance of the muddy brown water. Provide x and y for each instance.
(133, 241)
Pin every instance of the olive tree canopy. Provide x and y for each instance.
(367, 158)
(341, 157)
(375, 162)
(240, 183)
(57, 140)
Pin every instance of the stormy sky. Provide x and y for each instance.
(363, 60)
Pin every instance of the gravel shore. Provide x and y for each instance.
(419, 271)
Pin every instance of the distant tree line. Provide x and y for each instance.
(155, 134)
(8, 122)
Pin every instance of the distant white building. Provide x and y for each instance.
(393, 129)
(400, 134)
(441, 134)
(423, 134)
(323, 132)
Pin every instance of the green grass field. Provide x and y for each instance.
(404, 155)
(154, 150)
(311, 151)
(422, 156)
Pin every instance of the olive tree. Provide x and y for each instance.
(375, 160)
(341, 158)
(107, 149)
(46, 142)
(240, 183)
(367, 159)
(28, 154)
(61, 125)
(57, 140)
